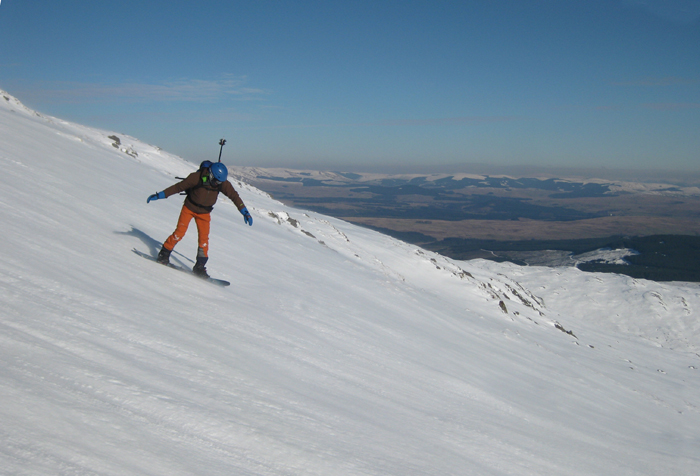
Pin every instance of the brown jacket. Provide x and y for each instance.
(201, 196)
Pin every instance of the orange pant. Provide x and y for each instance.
(202, 220)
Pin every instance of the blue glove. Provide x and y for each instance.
(246, 216)
(156, 196)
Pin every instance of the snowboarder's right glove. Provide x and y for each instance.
(156, 196)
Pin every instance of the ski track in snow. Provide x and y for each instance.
(336, 350)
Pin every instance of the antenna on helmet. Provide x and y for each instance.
(222, 142)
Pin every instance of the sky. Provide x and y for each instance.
(359, 84)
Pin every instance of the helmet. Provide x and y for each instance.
(218, 171)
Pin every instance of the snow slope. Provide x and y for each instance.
(336, 351)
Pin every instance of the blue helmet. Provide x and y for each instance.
(219, 172)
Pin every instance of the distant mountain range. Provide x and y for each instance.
(557, 187)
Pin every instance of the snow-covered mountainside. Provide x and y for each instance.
(335, 351)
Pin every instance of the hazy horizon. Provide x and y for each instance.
(677, 177)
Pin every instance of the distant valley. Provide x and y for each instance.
(518, 219)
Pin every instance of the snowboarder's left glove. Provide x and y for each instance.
(246, 216)
(156, 196)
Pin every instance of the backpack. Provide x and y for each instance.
(203, 179)
(204, 172)
(203, 175)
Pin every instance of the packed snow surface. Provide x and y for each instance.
(335, 351)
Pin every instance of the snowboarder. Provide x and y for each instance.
(202, 188)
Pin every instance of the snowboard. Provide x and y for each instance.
(218, 282)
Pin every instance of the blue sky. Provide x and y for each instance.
(329, 84)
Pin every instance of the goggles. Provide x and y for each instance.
(209, 177)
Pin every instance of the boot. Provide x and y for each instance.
(164, 256)
(199, 269)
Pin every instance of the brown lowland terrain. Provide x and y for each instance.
(489, 208)
(525, 229)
